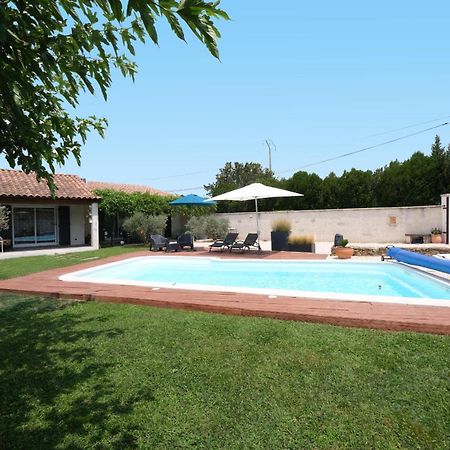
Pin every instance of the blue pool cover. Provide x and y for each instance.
(416, 259)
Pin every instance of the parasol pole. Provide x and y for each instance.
(257, 221)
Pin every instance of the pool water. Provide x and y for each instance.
(317, 279)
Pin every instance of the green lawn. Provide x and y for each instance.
(93, 375)
(23, 266)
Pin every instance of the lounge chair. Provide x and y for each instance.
(250, 241)
(186, 240)
(229, 240)
(158, 242)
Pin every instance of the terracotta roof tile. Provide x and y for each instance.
(14, 183)
(128, 188)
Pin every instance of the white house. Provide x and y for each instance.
(37, 220)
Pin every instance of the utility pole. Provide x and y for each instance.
(270, 144)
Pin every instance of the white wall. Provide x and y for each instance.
(381, 225)
(95, 238)
(77, 227)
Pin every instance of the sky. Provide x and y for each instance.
(318, 79)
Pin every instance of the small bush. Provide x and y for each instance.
(433, 230)
(4, 218)
(142, 226)
(207, 227)
(195, 225)
(301, 239)
(281, 225)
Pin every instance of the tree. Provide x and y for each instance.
(142, 226)
(439, 167)
(308, 184)
(236, 175)
(356, 189)
(52, 50)
(330, 192)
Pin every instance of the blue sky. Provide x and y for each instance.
(317, 78)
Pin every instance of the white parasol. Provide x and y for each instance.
(256, 191)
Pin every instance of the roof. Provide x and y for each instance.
(127, 188)
(15, 183)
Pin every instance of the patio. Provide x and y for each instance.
(345, 313)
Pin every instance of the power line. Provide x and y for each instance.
(405, 128)
(343, 155)
(179, 175)
(318, 162)
(187, 189)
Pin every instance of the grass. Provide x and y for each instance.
(15, 267)
(104, 376)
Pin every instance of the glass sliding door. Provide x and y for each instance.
(45, 225)
(24, 230)
(34, 226)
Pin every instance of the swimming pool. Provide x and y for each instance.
(354, 281)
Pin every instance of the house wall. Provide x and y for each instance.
(178, 225)
(77, 224)
(362, 225)
(95, 238)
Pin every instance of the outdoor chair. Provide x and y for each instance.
(229, 240)
(250, 241)
(186, 240)
(158, 242)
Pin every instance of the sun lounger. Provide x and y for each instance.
(250, 241)
(229, 240)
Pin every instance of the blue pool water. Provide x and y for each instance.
(319, 278)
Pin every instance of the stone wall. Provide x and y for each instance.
(382, 225)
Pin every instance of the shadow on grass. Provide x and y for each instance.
(54, 392)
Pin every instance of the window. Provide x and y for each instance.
(34, 226)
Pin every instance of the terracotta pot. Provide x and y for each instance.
(436, 238)
(344, 252)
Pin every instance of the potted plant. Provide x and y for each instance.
(342, 251)
(301, 243)
(280, 233)
(436, 236)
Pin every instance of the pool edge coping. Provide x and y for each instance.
(353, 314)
(267, 292)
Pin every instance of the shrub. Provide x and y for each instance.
(301, 239)
(4, 218)
(195, 225)
(142, 226)
(207, 227)
(281, 225)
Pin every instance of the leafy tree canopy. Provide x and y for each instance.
(417, 181)
(53, 50)
(236, 175)
(121, 204)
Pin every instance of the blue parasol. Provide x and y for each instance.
(192, 200)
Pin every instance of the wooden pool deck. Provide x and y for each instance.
(345, 313)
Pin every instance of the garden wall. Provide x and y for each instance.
(362, 225)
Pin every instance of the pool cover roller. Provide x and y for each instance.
(417, 259)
